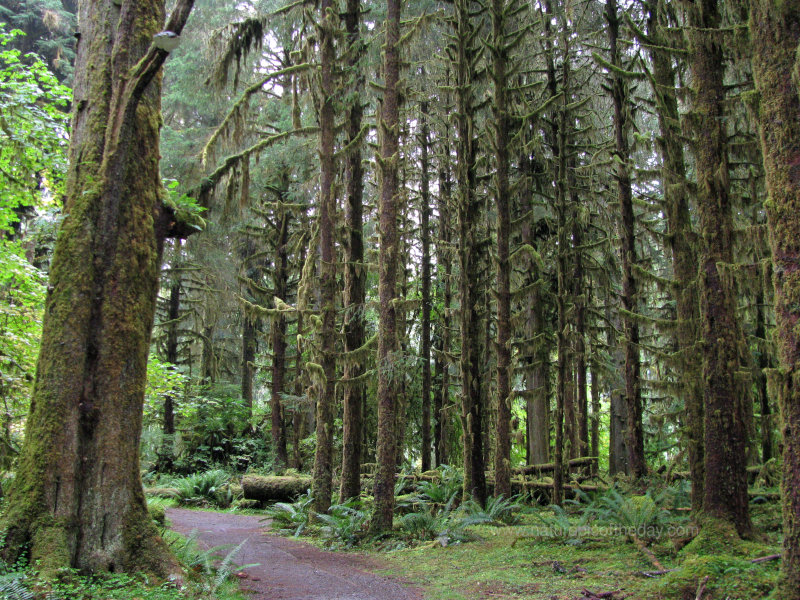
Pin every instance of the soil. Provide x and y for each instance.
(288, 569)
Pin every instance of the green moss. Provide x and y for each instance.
(719, 537)
(50, 553)
(728, 577)
(157, 513)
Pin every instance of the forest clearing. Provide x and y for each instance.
(474, 298)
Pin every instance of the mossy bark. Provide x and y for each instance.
(679, 240)
(725, 436)
(280, 286)
(387, 279)
(77, 498)
(775, 33)
(627, 230)
(470, 254)
(425, 284)
(355, 276)
(323, 456)
(444, 265)
(499, 49)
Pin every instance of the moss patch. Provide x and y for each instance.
(728, 577)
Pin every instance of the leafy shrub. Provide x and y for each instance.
(344, 522)
(498, 511)
(636, 513)
(209, 488)
(292, 517)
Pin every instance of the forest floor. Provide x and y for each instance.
(287, 569)
(500, 563)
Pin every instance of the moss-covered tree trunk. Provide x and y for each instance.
(323, 456)
(387, 279)
(425, 284)
(775, 32)
(354, 272)
(77, 498)
(280, 284)
(679, 240)
(499, 49)
(725, 435)
(469, 254)
(633, 392)
(444, 269)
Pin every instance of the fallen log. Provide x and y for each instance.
(274, 489)
(586, 461)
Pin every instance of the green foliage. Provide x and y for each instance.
(441, 524)
(208, 488)
(33, 141)
(498, 511)
(644, 515)
(444, 490)
(33, 131)
(344, 523)
(558, 524)
(292, 517)
(186, 208)
(212, 429)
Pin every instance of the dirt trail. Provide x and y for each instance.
(289, 570)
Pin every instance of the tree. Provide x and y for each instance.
(388, 254)
(725, 479)
(633, 391)
(775, 31)
(323, 457)
(355, 273)
(77, 500)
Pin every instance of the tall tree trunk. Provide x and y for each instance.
(173, 315)
(323, 457)
(469, 255)
(725, 491)
(354, 274)
(77, 498)
(684, 254)
(298, 416)
(248, 363)
(425, 276)
(502, 127)
(387, 278)
(445, 263)
(165, 452)
(775, 32)
(280, 281)
(617, 448)
(633, 390)
(579, 300)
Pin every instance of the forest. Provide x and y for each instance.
(502, 295)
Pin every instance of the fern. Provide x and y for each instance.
(292, 517)
(13, 587)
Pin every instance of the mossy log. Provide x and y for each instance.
(587, 461)
(274, 489)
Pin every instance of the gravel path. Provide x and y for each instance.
(289, 570)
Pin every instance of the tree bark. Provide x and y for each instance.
(444, 268)
(280, 281)
(355, 273)
(775, 34)
(633, 391)
(679, 240)
(425, 284)
(387, 279)
(323, 457)
(77, 498)
(502, 126)
(725, 438)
